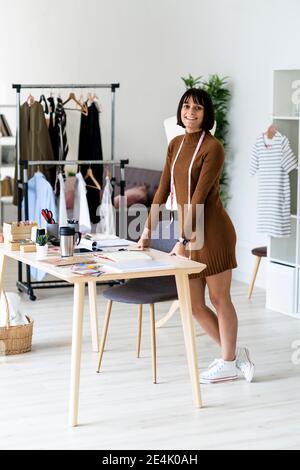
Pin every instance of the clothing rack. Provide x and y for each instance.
(19, 87)
(22, 173)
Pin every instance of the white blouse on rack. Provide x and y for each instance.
(62, 212)
(81, 208)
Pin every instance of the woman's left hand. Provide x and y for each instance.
(179, 250)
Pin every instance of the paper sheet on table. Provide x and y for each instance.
(122, 256)
(136, 265)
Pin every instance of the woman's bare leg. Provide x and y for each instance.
(203, 314)
(219, 293)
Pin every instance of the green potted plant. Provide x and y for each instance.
(41, 246)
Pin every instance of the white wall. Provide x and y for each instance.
(147, 45)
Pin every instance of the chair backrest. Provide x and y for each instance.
(138, 177)
(165, 236)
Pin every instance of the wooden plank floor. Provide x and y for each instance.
(120, 408)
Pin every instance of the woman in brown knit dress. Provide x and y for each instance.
(192, 172)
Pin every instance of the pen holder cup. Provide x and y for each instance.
(53, 230)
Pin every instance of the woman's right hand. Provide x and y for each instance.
(143, 244)
(144, 241)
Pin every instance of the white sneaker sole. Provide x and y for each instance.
(249, 377)
(214, 381)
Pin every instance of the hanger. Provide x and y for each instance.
(82, 99)
(90, 98)
(89, 174)
(271, 131)
(93, 98)
(30, 100)
(82, 106)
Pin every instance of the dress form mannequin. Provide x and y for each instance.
(172, 129)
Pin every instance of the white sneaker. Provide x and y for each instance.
(244, 363)
(219, 371)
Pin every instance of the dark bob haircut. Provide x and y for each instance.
(200, 97)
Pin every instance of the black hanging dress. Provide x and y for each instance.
(90, 148)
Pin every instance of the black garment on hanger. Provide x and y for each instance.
(52, 130)
(61, 123)
(44, 104)
(90, 148)
(57, 132)
(54, 137)
(57, 129)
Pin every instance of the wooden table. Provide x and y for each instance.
(181, 268)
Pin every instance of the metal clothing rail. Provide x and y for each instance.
(22, 167)
(24, 181)
(72, 162)
(114, 163)
(64, 85)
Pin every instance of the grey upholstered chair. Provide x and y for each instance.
(150, 290)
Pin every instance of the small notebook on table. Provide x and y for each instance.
(86, 269)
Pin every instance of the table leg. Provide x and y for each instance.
(76, 350)
(184, 297)
(93, 315)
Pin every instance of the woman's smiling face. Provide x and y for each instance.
(192, 115)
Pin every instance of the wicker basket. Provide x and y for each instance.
(15, 339)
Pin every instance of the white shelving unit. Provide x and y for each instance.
(6, 169)
(283, 263)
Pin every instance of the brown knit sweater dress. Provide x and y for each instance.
(218, 250)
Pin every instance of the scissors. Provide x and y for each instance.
(48, 216)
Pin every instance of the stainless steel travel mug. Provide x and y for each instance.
(67, 235)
